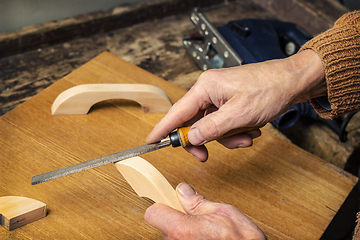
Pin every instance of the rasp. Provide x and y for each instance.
(175, 139)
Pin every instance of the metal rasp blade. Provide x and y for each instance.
(97, 162)
(175, 139)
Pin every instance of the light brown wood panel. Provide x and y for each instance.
(288, 192)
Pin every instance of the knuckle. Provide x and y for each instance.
(207, 77)
(226, 209)
(196, 205)
(212, 129)
(204, 76)
(184, 230)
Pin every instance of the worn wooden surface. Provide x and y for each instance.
(287, 192)
(155, 45)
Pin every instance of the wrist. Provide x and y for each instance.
(308, 73)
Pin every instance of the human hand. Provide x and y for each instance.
(245, 96)
(204, 219)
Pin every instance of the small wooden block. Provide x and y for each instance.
(18, 211)
(147, 181)
(79, 99)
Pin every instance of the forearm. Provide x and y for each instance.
(308, 76)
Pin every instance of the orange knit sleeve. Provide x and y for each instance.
(339, 49)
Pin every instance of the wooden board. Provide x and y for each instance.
(288, 192)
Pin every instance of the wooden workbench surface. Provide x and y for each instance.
(154, 44)
(286, 191)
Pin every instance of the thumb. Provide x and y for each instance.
(211, 127)
(192, 202)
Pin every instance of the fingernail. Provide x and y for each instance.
(195, 137)
(196, 157)
(243, 145)
(240, 145)
(254, 134)
(185, 190)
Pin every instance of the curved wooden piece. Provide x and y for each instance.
(147, 181)
(18, 211)
(79, 99)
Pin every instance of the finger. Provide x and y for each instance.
(192, 202)
(194, 119)
(240, 140)
(221, 215)
(254, 133)
(199, 152)
(210, 109)
(182, 111)
(162, 217)
(210, 127)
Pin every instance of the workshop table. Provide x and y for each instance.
(286, 191)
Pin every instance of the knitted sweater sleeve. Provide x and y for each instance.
(339, 49)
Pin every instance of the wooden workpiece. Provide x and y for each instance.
(286, 191)
(79, 99)
(147, 181)
(18, 211)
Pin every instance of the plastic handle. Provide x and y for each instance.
(183, 134)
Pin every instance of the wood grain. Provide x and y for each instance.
(286, 191)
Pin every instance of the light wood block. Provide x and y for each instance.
(147, 181)
(79, 99)
(18, 211)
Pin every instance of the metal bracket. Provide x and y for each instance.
(214, 51)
